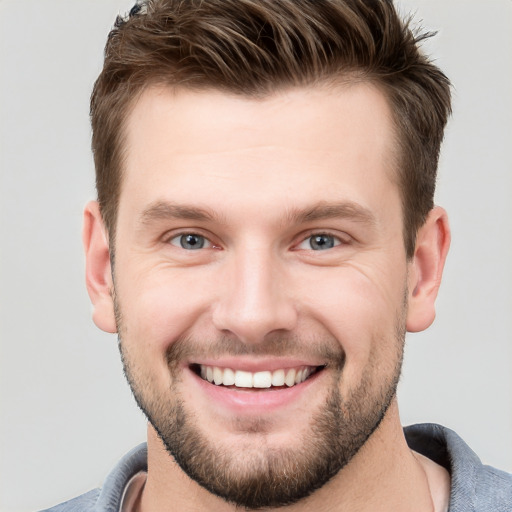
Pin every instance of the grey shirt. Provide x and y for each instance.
(474, 486)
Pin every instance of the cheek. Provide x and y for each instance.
(159, 307)
(361, 311)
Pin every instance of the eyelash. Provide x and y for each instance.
(179, 237)
(206, 243)
(338, 240)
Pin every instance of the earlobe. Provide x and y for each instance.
(98, 274)
(426, 269)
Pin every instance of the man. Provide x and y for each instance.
(264, 236)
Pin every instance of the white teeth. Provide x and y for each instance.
(229, 377)
(243, 379)
(278, 378)
(289, 380)
(263, 379)
(217, 375)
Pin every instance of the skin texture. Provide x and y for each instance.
(256, 179)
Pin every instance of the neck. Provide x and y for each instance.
(385, 475)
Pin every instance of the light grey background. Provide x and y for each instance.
(66, 414)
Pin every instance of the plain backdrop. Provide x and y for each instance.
(66, 413)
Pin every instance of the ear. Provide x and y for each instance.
(426, 269)
(98, 273)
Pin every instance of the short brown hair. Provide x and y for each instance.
(256, 47)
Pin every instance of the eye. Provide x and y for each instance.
(190, 241)
(319, 242)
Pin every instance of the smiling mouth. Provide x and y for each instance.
(281, 378)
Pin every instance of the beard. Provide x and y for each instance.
(259, 475)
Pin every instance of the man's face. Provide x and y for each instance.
(259, 243)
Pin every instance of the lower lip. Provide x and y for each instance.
(253, 401)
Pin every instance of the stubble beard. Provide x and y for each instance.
(260, 475)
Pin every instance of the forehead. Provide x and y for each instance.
(299, 142)
(299, 114)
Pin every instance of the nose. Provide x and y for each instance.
(255, 297)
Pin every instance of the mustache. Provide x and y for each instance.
(325, 348)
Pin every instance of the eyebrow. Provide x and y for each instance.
(324, 210)
(163, 210)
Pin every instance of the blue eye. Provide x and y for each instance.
(320, 242)
(190, 241)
